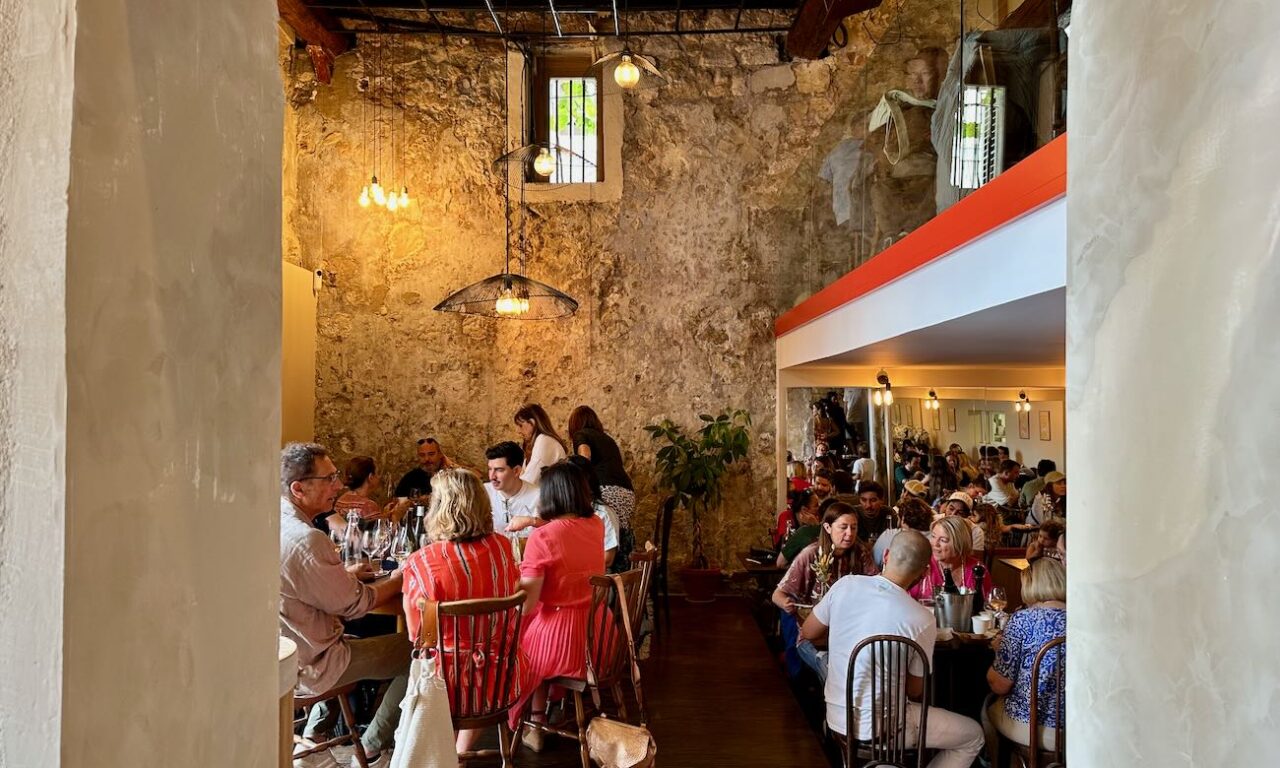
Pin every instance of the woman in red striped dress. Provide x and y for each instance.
(561, 556)
(466, 560)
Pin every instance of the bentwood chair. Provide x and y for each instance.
(352, 736)
(608, 662)
(1036, 756)
(889, 662)
(644, 562)
(476, 647)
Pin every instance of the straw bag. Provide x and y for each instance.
(424, 737)
(612, 743)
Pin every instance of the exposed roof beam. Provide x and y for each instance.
(315, 26)
(817, 21)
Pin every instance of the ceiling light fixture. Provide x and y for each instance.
(510, 295)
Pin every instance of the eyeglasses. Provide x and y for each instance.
(329, 478)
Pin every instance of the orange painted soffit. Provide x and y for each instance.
(1038, 179)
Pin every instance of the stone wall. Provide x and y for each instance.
(679, 283)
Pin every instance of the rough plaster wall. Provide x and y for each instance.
(173, 373)
(35, 136)
(679, 283)
(1173, 629)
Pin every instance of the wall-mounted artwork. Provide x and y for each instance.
(911, 414)
(937, 420)
(897, 413)
(1024, 425)
(1046, 433)
(999, 434)
(951, 419)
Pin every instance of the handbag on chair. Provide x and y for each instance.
(424, 737)
(613, 743)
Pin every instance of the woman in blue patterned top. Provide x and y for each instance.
(1044, 589)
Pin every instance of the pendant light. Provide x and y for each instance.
(507, 294)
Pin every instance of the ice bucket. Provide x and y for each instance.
(954, 611)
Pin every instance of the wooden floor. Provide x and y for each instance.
(715, 696)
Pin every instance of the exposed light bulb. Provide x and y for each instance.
(511, 305)
(544, 163)
(393, 201)
(626, 74)
(364, 197)
(878, 398)
(379, 194)
(404, 196)
(888, 397)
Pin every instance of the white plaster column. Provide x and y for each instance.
(1173, 362)
(140, 323)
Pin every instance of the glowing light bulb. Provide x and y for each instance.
(626, 74)
(379, 194)
(404, 196)
(364, 197)
(888, 397)
(544, 163)
(393, 201)
(510, 305)
(878, 398)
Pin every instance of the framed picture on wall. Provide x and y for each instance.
(1046, 433)
(911, 415)
(1024, 425)
(951, 419)
(937, 419)
(897, 413)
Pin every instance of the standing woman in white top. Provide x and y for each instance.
(542, 446)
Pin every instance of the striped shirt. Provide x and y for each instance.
(458, 570)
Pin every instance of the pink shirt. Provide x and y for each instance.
(316, 593)
(933, 577)
(565, 553)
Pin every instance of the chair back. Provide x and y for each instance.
(476, 645)
(643, 563)
(889, 658)
(630, 586)
(608, 657)
(1057, 647)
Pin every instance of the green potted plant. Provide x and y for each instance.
(691, 466)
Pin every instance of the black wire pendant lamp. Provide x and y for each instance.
(508, 294)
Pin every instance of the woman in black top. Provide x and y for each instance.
(591, 441)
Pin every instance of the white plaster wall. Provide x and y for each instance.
(1173, 359)
(35, 134)
(173, 386)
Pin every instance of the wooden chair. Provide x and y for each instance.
(630, 586)
(890, 657)
(608, 662)
(1032, 756)
(352, 736)
(476, 644)
(661, 583)
(644, 561)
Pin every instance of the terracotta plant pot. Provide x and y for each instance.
(700, 584)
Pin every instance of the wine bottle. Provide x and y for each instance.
(948, 583)
(418, 539)
(979, 574)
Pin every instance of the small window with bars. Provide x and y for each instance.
(568, 116)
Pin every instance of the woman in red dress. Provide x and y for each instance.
(466, 560)
(561, 556)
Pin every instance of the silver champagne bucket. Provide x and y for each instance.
(954, 611)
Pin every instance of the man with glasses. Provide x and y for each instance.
(317, 593)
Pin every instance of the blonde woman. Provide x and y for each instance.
(465, 560)
(542, 446)
(952, 551)
(1044, 589)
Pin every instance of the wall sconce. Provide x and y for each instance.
(883, 396)
(1022, 403)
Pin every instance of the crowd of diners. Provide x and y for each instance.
(552, 513)
(861, 561)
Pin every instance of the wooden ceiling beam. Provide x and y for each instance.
(816, 22)
(314, 26)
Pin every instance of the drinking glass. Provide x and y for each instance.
(997, 601)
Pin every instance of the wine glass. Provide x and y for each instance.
(997, 600)
(400, 546)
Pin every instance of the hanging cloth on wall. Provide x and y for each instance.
(890, 110)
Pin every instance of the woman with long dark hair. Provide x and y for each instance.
(590, 440)
(542, 446)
